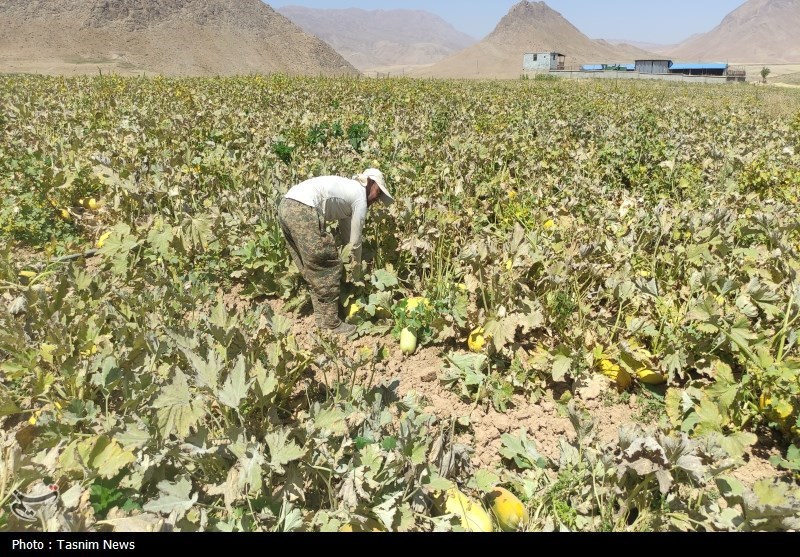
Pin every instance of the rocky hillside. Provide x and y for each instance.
(170, 37)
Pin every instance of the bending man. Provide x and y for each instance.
(303, 214)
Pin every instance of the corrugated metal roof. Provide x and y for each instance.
(699, 66)
(601, 67)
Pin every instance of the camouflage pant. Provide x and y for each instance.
(315, 253)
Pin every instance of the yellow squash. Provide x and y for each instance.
(611, 370)
(476, 340)
(650, 377)
(509, 511)
(473, 517)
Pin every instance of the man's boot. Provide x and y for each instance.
(327, 315)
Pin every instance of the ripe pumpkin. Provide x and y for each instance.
(509, 511)
(650, 377)
(476, 340)
(611, 370)
(473, 517)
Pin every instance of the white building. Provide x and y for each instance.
(543, 61)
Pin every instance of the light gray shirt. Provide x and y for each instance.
(340, 199)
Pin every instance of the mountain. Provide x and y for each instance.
(529, 27)
(170, 37)
(759, 31)
(381, 38)
(655, 48)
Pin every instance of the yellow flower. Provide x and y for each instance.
(34, 417)
(413, 303)
(512, 195)
(549, 225)
(509, 265)
(102, 240)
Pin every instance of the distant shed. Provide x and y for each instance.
(544, 61)
(700, 68)
(653, 66)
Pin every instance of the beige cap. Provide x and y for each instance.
(377, 176)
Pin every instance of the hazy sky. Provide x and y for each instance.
(656, 21)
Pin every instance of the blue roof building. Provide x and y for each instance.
(700, 68)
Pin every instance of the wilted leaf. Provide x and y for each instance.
(282, 450)
(174, 497)
(737, 443)
(332, 420)
(207, 370)
(176, 407)
(562, 364)
(235, 387)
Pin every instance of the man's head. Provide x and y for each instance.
(373, 192)
(375, 184)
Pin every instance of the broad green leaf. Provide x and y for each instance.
(331, 420)
(672, 405)
(282, 450)
(562, 364)
(133, 437)
(110, 458)
(742, 334)
(266, 380)
(501, 331)
(236, 386)
(292, 519)
(465, 361)
(281, 325)
(117, 248)
(8, 406)
(252, 474)
(730, 488)
(485, 480)
(737, 443)
(384, 279)
(207, 371)
(725, 387)
(406, 519)
(522, 451)
(387, 511)
(438, 483)
(99, 453)
(177, 408)
(709, 417)
(419, 451)
(160, 237)
(173, 497)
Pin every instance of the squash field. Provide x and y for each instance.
(553, 243)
